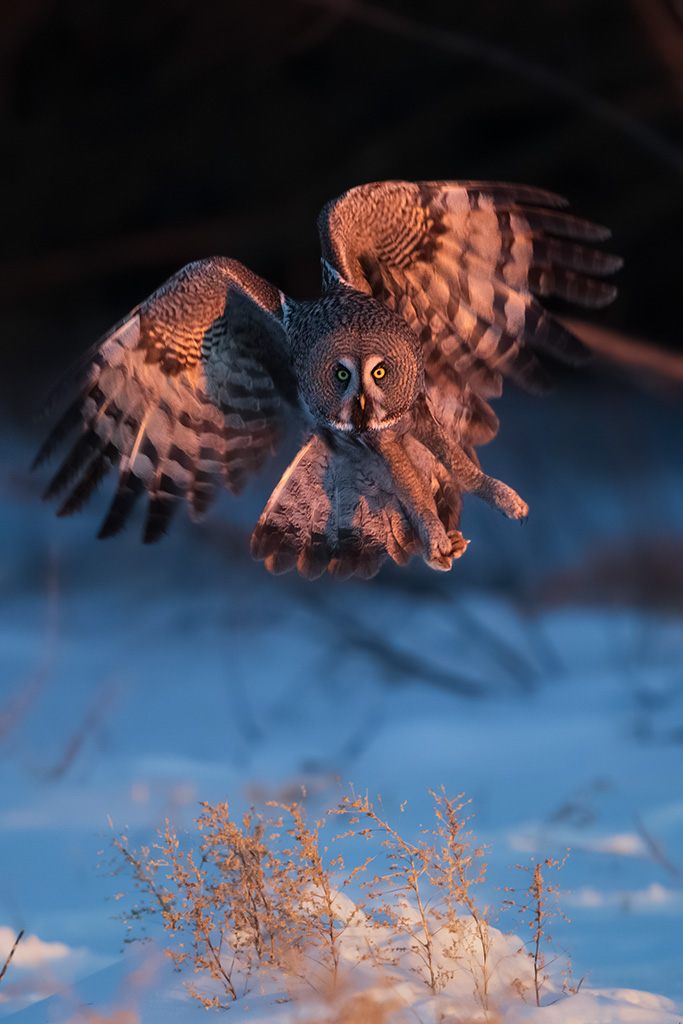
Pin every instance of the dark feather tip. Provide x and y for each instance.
(159, 514)
(129, 490)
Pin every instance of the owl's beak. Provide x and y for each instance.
(362, 414)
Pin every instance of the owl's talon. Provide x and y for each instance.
(444, 547)
(441, 562)
(458, 542)
(509, 502)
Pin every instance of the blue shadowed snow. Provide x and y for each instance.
(542, 677)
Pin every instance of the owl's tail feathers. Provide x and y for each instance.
(335, 509)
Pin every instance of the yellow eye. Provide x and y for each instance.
(379, 372)
(342, 373)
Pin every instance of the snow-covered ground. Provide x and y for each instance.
(542, 677)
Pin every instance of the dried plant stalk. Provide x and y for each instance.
(263, 898)
(538, 906)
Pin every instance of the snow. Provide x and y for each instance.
(541, 677)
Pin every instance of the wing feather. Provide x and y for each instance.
(464, 263)
(188, 394)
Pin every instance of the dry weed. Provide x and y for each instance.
(427, 888)
(539, 904)
(264, 899)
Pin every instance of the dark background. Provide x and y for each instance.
(142, 135)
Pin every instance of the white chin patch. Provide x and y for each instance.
(382, 424)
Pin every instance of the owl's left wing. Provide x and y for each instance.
(464, 263)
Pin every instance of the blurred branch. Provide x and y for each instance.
(657, 853)
(632, 352)
(93, 718)
(11, 953)
(397, 664)
(313, 35)
(269, 226)
(133, 251)
(663, 21)
(12, 712)
(18, 23)
(497, 56)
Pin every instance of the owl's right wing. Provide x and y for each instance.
(187, 393)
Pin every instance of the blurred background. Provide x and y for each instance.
(543, 674)
(142, 135)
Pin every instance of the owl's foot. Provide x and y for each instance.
(509, 502)
(442, 547)
(459, 543)
(498, 494)
(495, 492)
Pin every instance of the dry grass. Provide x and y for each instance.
(538, 905)
(264, 899)
(423, 892)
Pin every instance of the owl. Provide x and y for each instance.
(430, 297)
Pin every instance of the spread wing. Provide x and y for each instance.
(464, 263)
(186, 394)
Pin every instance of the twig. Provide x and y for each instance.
(657, 853)
(11, 953)
(398, 665)
(18, 706)
(488, 53)
(144, 249)
(664, 25)
(92, 719)
(633, 352)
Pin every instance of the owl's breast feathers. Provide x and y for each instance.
(192, 389)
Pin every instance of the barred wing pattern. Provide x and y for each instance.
(462, 263)
(187, 394)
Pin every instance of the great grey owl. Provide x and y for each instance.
(429, 299)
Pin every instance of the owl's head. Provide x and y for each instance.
(364, 370)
